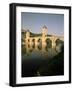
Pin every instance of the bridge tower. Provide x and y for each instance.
(27, 36)
(44, 33)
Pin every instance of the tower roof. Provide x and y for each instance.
(45, 26)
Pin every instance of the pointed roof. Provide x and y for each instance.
(45, 26)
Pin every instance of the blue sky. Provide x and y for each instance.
(34, 22)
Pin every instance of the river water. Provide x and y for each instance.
(41, 62)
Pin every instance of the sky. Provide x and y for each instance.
(35, 21)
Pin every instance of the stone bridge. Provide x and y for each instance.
(35, 40)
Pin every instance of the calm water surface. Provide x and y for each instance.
(41, 61)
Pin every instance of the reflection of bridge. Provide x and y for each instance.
(40, 52)
(36, 40)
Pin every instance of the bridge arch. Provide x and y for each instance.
(33, 41)
(48, 42)
(58, 41)
(39, 43)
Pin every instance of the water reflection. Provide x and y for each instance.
(37, 61)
